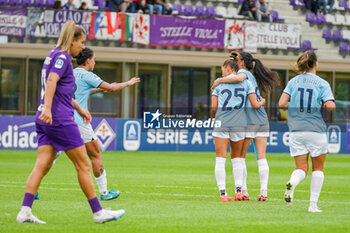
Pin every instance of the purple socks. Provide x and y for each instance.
(95, 205)
(28, 200)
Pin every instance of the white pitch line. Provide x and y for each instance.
(166, 194)
(171, 186)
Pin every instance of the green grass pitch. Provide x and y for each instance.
(174, 192)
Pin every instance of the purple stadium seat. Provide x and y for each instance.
(199, 10)
(26, 2)
(310, 17)
(49, 3)
(320, 19)
(15, 2)
(327, 34)
(296, 3)
(211, 12)
(344, 47)
(100, 4)
(345, 5)
(337, 35)
(38, 3)
(188, 10)
(306, 45)
(178, 8)
(275, 17)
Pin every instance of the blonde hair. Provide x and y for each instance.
(305, 62)
(70, 31)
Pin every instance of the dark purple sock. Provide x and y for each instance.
(28, 200)
(95, 205)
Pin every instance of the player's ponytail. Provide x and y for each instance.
(70, 31)
(265, 78)
(305, 62)
(84, 55)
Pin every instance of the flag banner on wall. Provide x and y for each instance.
(179, 31)
(111, 26)
(234, 34)
(13, 21)
(54, 20)
(278, 35)
(35, 22)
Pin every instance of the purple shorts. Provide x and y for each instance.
(62, 138)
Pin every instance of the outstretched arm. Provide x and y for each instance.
(229, 79)
(118, 86)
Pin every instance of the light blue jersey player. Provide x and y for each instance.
(86, 83)
(304, 96)
(307, 94)
(228, 107)
(258, 125)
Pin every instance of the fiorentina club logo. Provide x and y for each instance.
(105, 134)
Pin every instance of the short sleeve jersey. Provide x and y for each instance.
(231, 103)
(307, 93)
(84, 82)
(259, 116)
(58, 62)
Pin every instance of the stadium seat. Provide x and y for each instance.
(340, 19)
(343, 47)
(211, 12)
(100, 4)
(188, 10)
(345, 5)
(327, 34)
(177, 9)
(221, 10)
(337, 35)
(38, 3)
(15, 2)
(310, 17)
(330, 19)
(232, 12)
(297, 3)
(26, 2)
(49, 3)
(320, 19)
(306, 45)
(199, 10)
(346, 35)
(275, 17)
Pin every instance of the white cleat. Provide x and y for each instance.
(288, 195)
(104, 215)
(28, 217)
(314, 209)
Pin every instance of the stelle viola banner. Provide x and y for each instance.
(155, 30)
(13, 21)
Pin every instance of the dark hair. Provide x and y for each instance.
(266, 78)
(305, 62)
(84, 55)
(231, 63)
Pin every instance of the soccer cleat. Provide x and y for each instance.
(37, 196)
(103, 215)
(262, 198)
(245, 197)
(226, 198)
(238, 196)
(314, 209)
(112, 194)
(288, 195)
(23, 217)
(57, 156)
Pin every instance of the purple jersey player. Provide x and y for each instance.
(56, 128)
